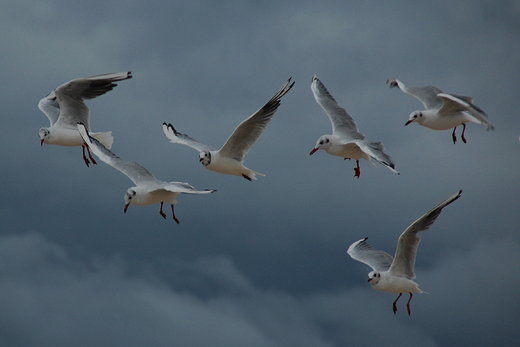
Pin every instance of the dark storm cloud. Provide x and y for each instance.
(265, 261)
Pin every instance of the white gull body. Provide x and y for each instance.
(65, 107)
(346, 141)
(148, 190)
(442, 110)
(395, 275)
(230, 157)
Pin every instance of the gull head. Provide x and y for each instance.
(374, 277)
(129, 195)
(415, 116)
(205, 157)
(322, 142)
(43, 133)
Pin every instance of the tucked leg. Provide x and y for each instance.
(408, 303)
(463, 130)
(174, 218)
(357, 171)
(395, 303)
(454, 136)
(161, 211)
(246, 177)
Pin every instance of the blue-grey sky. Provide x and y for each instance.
(259, 263)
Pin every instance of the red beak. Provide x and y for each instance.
(41, 143)
(313, 151)
(369, 280)
(410, 121)
(126, 207)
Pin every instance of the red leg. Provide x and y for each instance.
(408, 304)
(161, 211)
(463, 130)
(90, 156)
(174, 218)
(347, 158)
(395, 303)
(85, 157)
(454, 136)
(357, 171)
(243, 175)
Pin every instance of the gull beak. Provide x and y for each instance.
(369, 280)
(41, 143)
(200, 159)
(410, 121)
(313, 151)
(126, 207)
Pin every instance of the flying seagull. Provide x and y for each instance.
(395, 275)
(442, 110)
(230, 157)
(65, 107)
(346, 141)
(148, 190)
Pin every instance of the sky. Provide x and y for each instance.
(259, 263)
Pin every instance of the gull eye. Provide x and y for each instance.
(327, 140)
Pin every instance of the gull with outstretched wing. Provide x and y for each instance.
(230, 157)
(65, 107)
(395, 275)
(148, 190)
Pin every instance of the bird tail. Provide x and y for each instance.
(252, 174)
(105, 138)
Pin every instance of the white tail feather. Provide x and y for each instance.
(105, 138)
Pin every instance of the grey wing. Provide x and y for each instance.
(50, 106)
(454, 103)
(427, 95)
(135, 171)
(71, 96)
(376, 259)
(376, 151)
(185, 188)
(176, 137)
(341, 121)
(404, 260)
(248, 132)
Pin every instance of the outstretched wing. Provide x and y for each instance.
(455, 103)
(341, 121)
(50, 106)
(248, 132)
(404, 260)
(71, 96)
(427, 95)
(376, 151)
(135, 171)
(378, 260)
(176, 137)
(185, 188)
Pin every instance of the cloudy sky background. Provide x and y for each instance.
(259, 263)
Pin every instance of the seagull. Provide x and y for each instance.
(230, 157)
(442, 110)
(65, 107)
(346, 141)
(148, 190)
(395, 275)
